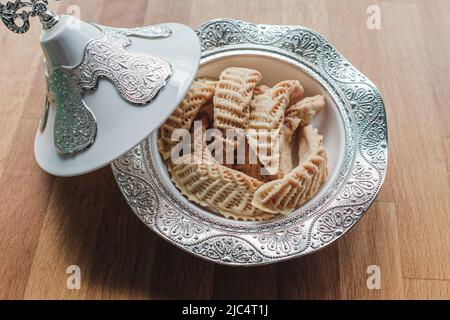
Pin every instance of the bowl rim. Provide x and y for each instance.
(323, 220)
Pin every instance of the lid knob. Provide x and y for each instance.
(21, 11)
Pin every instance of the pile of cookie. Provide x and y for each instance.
(278, 167)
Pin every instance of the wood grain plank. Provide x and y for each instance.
(18, 67)
(245, 282)
(373, 242)
(123, 259)
(315, 276)
(23, 202)
(423, 212)
(447, 148)
(313, 14)
(420, 289)
(69, 236)
(437, 28)
(179, 275)
(252, 10)
(423, 206)
(169, 11)
(116, 13)
(417, 179)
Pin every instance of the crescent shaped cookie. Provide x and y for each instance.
(200, 93)
(232, 98)
(205, 181)
(301, 113)
(301, 184)
(295, 90)
(212, 185)
(297, 115)
(266, 122)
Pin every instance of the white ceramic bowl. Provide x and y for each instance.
(275, 69)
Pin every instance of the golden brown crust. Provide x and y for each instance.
(251, 166)
(297, 115)
(232, 98)
(205, 181)
(212, 185)
(264, 131)
(301, 184)
(260, 90)
(199, 94)
(294, 88)
(301, 113)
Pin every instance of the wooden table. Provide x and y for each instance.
(48, 223)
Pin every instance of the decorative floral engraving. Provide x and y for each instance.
(360, 184)
(132, 162)
(363, 102)
(261, 34)
(333, 224)
(285, 241)
(302, 43)
(141, 197)
(228, 250)
(177, 224)
(75, 125)
(219, 34)
(138, 77)
(374, 142)
(339, 68)
(225, 33)
(368, 110)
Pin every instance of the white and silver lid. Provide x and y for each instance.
(107, 88)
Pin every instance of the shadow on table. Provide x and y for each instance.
(126, 260)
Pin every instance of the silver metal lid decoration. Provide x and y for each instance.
(138, 77)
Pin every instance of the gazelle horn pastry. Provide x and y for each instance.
(266, 122)
(301, 184)
(200, 93)
(301, 113)
(297, 115)
(213, 185)
(232, 99)
(205, 181)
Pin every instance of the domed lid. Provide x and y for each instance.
(108, 89)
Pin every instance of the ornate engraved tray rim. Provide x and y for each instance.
(322, 221)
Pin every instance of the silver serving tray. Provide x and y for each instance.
(352, 187)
